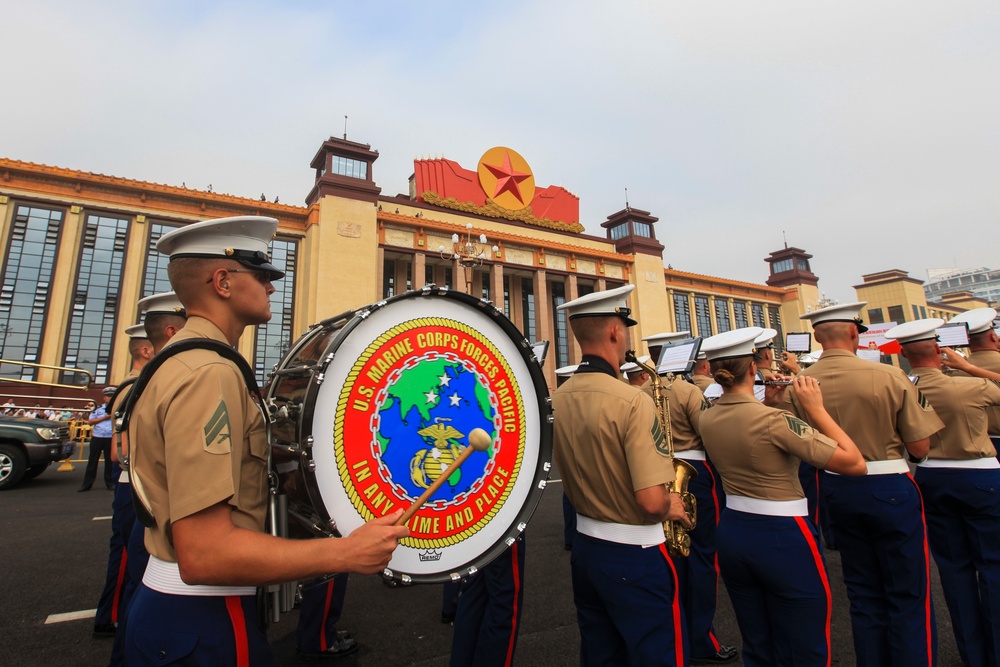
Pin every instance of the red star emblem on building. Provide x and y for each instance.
(508, 178)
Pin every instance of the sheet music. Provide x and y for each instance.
(953, 336)
(678, 358)
(871, 355)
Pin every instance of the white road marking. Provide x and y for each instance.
(70, 616)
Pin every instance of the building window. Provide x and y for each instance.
(561, 342)
(916, 313)
(619, 232)
(447, 277)
(722, 316)
(428, 274)
(779, 339)
(506, 296)
(345, 166)
(388, 278)
(154, 275)
(897, 314)
(702, 316)
(757, 310)
(682, 312)
(782, 266)
(27, 278)
(875, 316)
(802, 264)
(275, 336)
(91, 330)
(923, 312)
(484, 283)
(583, 289)
(642, 229)
(528, 307)
(740, 311)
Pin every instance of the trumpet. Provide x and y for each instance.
(677, 536)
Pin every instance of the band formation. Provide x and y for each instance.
(744, 466)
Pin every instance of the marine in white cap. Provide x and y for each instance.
(200, 452)
(984, 352)
(110, 613)
(778, 585)
(611, 453)
(635, 374)
(164, 317)
(697, 574)
(877, 520)
(701, 374)
(960, 483)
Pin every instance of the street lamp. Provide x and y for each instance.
(468, 253)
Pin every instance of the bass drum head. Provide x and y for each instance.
(408, 381)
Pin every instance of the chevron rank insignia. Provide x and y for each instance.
(705, 405)
(658, 438)
(797, 426)
(218, 432)
(922, 400)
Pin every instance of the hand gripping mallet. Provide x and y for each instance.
(479, 441)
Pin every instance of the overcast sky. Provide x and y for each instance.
(867, 132)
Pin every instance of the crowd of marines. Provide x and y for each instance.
(190, 507)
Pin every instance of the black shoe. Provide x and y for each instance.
(104, 630)
(82, 489)
(343, 645)
(724, 655)
(447, 618)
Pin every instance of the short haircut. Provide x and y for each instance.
(156, 326)
(592, 329)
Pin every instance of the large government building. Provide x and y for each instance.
(79, 253)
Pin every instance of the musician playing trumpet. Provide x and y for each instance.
(611, 454)
(769, 552)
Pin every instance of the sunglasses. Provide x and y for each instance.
(262, 276)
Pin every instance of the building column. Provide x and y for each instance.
(419, 270)
(693, 315)
(496, 285)
(61, 294)
(671, 314)
(6, 213)
(572, 292)
(543, 324)
(516, 315)
(129, 295)
(380, 280)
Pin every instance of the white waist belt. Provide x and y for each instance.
(165, 577)
(123, 477)
(990, 463)
(891, 467)
(768, 507)
(619, 532)
(691, 455)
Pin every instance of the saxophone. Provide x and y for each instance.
(678, 539)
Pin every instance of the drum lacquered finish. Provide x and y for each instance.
(372, 405)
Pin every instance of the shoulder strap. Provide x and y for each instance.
(124, 414)
(125, 384)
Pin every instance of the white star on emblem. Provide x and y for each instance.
(445, 379)
(431, 396)
(455, 399)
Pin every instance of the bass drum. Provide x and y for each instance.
(370, 408)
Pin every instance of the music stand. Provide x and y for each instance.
(678, 356)
(540, 349)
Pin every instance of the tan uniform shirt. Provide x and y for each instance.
(685, 403)
(989, 360)
(199, 440)
(608, 444)
(701, 381)
(757, 449)
(961, 402)
(875, 404)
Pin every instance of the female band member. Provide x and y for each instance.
(769, 554)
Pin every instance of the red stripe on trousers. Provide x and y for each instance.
(821, 570)
(234, 606)
(927, 577)
(118, 586)
(715, 555)
(676, 608)
(513, 621)
(816, 486)
(326, 615)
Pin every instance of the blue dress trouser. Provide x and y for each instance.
(488, 618)
(135, 567)
(627, 605)
(569, 522)
(321, 607)
(878, 522)
(963, 525)
(109, 606)
(776, 577)
(698, 573)
(809, 477)
(194, 631)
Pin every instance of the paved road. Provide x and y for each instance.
(53, 556)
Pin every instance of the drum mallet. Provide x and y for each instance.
(479, 441)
